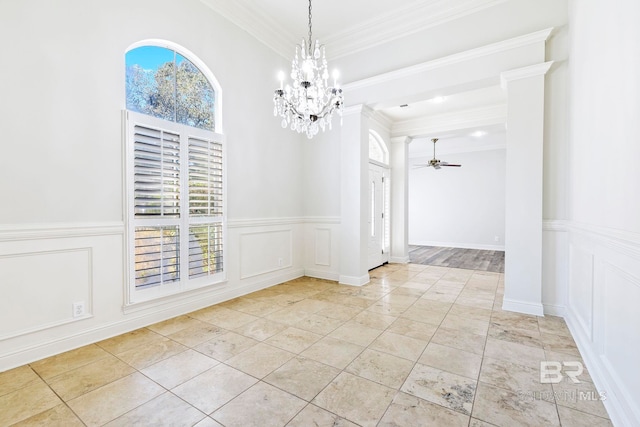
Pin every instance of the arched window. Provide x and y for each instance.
(175, 175)
(377, 148)
(161, 82)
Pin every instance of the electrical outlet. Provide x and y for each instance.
(279, 262)
(496, 238)
(78, 309)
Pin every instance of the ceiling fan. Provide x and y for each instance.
(435, 163)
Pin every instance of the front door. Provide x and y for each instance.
(376, 223)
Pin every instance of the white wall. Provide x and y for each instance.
(604, 226)
(61, 167)
(458, 207)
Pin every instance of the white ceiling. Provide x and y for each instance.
(344, 26)
(492, 95)
(463, 108)
(460, 141)
(347, 27)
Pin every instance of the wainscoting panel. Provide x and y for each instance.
(46, 268)
(264, 252)
(35, 301)
(581, 287)
(603, 315)
(555, 267)
(620, 338)
(323, 247)
(322, 252)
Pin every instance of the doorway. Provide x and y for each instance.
(378, 218)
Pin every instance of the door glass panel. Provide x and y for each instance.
(373, 208)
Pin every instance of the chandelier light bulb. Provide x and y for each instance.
(308, 104)
(281, 78)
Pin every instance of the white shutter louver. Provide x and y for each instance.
(156, 172)
(205, 250)
(205, 177)
(157, 255)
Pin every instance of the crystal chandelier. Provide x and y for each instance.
(308, 105)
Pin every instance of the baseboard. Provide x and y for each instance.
(42, 350)
(478, 246)
(554, 310)
(319, 274)
(399, 260)
(524, 307)
(353, 280)
(619, 404)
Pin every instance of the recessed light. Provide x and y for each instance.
(479, 133)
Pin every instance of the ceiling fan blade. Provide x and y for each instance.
(437, 166)
(449, 164)
(420, 166)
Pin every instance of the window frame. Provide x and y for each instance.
(139, 296)
(377, 139)
(184, 222)
(199, 64)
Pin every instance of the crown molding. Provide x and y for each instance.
(362, 109)
(383, 120)
(401, 140)
(524, 73)
(402, 22)
(455, 120)
(491, 49)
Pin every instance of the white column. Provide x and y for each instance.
(523, 223)
(354, 175)
(399, 161)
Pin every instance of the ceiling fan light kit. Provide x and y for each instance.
(435, 163)
(309, 103)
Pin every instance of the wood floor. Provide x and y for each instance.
(470, 259)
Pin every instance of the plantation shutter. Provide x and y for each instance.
(205, 177)
(156, 172)
(175, 204)
(205, 207)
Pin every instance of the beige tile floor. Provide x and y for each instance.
(418, 346)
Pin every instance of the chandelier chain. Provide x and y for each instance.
(310, 35)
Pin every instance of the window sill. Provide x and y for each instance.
(181, 297)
